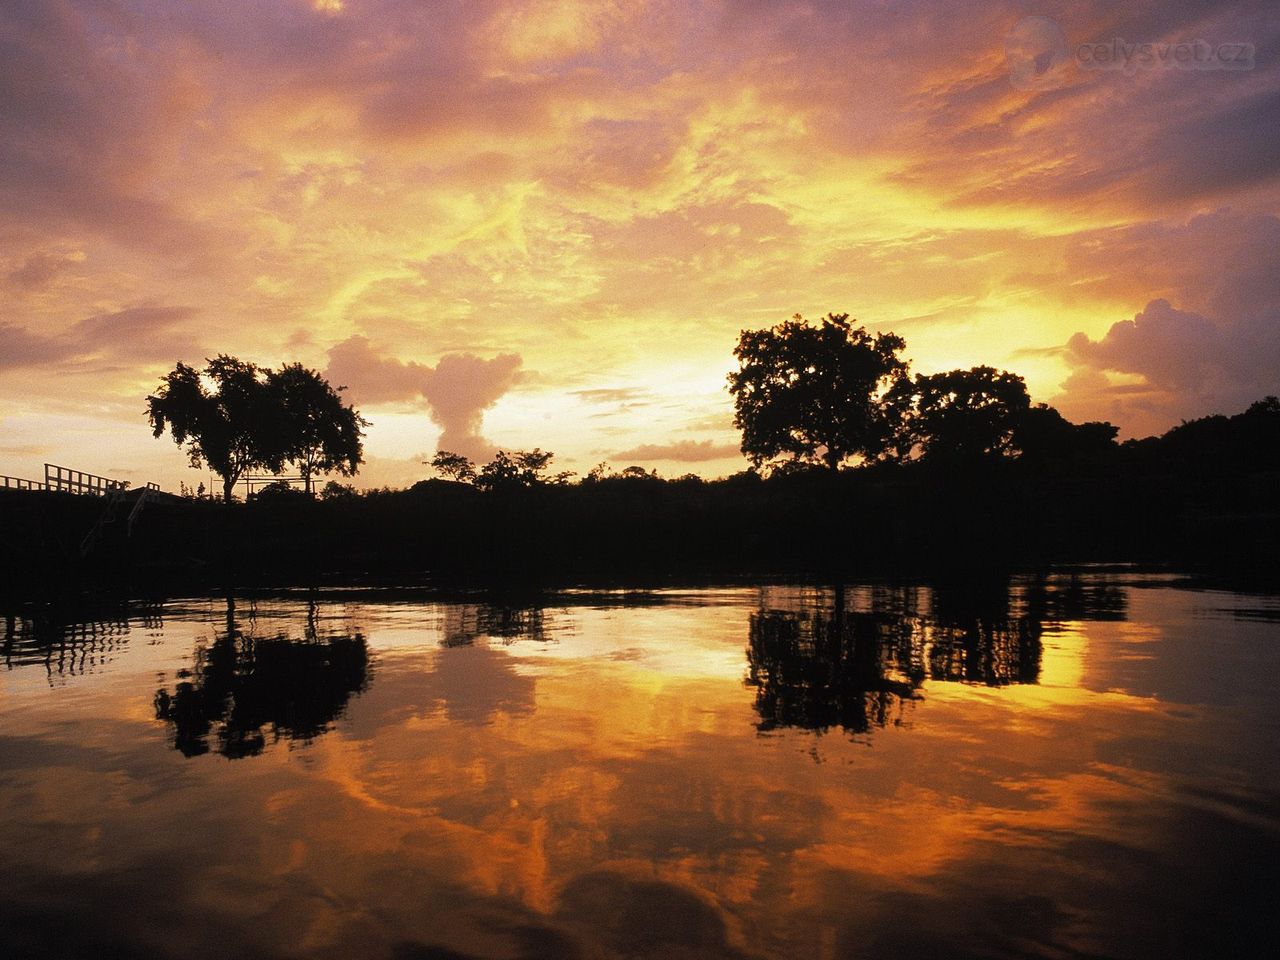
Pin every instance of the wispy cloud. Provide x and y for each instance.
(680, 451)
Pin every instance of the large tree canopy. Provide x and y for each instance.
(815, 394)
(237, 417)
(225, 427)
(315, 430)
(962, 415)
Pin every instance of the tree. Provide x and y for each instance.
(638, 473)
(313, 429)
(815, 394)
(1045, 438)
(454, 466)
(961, 415)
(333, 490)
(228, 427)
(517, 470)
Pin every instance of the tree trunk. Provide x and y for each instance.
(228, 486)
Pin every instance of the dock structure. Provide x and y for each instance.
(66, 480)
(123, 505)
(258, 481)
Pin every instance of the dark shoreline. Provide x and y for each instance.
(899, 523)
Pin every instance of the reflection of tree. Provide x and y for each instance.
(990, 653)
(819, 669)
(822, 667)
(465, 623)
(1075, 598)
(242, 685)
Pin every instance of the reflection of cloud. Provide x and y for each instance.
(471, 684)
(645, 917)
(629, 811)
(474, 683)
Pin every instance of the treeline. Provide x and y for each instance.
(1038, 441)
(858, 469)
(1201, 494)
(829, 395)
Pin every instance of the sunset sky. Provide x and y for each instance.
(545, 223)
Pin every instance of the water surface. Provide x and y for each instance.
(1079, 766)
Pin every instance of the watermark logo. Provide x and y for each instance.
(1039, 57)
(1037, 54)
(1118, 54)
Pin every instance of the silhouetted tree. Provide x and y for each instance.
(519, 469)
(815, 394)
(228, 427)
(314, 429)
(639, 473)
(961, 414)
(333, 490)
(1045, 437)
(454, 466)
(1245, 442)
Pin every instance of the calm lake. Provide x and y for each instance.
(1080, 766)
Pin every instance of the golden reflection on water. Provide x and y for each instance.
(675, 774)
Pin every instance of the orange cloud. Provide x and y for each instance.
(457, 390)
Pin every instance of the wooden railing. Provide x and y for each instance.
(65, 480)
(265, 480)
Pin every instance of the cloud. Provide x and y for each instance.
(1114, 140)
(460, 389)
(39, 270)
(77, 146)
(373, 378)
(629, 396)
(146, 332)
(1171, 349)
(457, 390)
(1215, 352)
(18, 348)
(1186, 366)
(680, 451)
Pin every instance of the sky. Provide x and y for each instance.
(519, 224)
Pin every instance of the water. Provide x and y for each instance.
(1075, 767)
